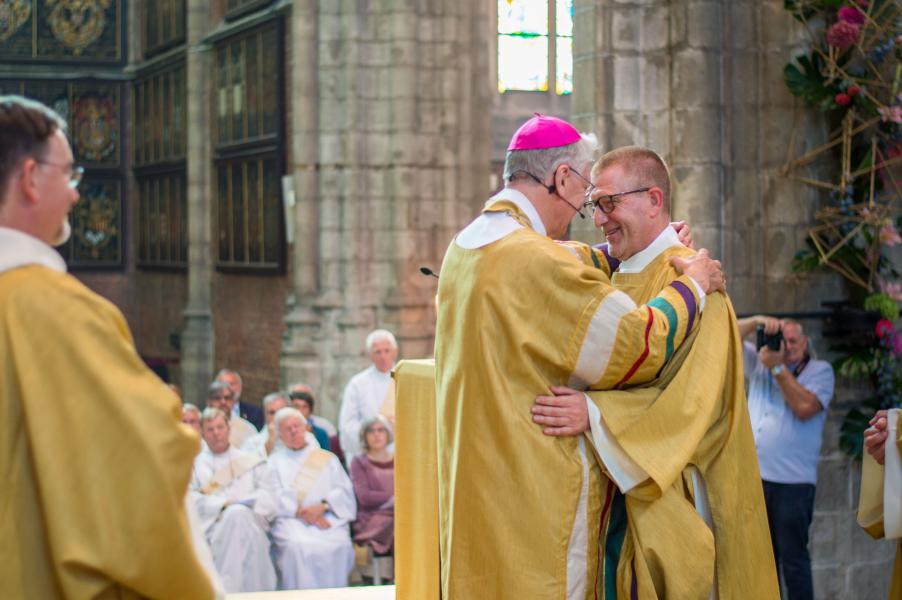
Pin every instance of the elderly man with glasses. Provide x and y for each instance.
(96, 464)
(519, 510)
(688, 472)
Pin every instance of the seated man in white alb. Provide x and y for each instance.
(235, 498)
(316, 503)
(221, 396)
(267, 440)
(366, 392)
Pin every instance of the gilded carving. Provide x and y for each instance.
(77, 23)
(13, 14)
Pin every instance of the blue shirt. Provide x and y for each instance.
(787, 446)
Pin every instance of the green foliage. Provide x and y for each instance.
(858, 364)
(805, 260)
(807, 83)
(818, 78)
(851, 433)
(886, 306)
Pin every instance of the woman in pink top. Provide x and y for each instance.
(373, 476)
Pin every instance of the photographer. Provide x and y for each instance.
(788, 393)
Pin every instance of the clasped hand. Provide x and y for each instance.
(564, 413)
(314, 515)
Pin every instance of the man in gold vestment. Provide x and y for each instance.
(518, 510)
(683, 513)
(880, 502)
(95, 461)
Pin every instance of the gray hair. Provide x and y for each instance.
(379, 335)
(211, 413)
(368, 424)
(542, 162)
(216, 389)
(188, 407)
(286, 413)
(270, 398)
(230, 372)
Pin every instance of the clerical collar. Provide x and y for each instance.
(18, 249)
(523, 204)
(638, 261)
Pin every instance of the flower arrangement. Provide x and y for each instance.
(852, 72)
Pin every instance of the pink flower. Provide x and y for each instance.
(893, 289)
(891, 113)
(884, 328)
(853, 90)
(842, 99)
(851, 15)
(889, 236)
(842, 34)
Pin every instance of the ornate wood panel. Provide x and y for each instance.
(96, 225)
(68, 31)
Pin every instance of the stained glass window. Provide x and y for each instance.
(247, 86)
(162, 219)
(164, 24)
(249, 149)
(250, 217)
(159, 159)
(527, 58)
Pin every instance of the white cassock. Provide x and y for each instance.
(237, 533)
(240, 430)
(362, 400)
(309, 557)
(256, 444)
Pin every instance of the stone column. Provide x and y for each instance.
(402, 134)
(300, 357)
(623, 66)
(197, 335)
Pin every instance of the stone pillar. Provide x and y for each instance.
(300, 358)
(197, 335)
(402, 134)
(622, 69)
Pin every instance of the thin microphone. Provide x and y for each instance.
(578, 211)
(427, 271)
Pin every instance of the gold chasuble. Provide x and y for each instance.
(880, 499)
(698, 519)
(95, 462)
(519, 510)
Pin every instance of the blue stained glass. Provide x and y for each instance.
(523, 17)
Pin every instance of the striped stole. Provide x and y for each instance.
(309, 472)
(229, 472)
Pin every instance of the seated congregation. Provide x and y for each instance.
(279, 510)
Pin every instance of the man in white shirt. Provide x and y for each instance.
(316, 504)
(365, 393)
(235, 498)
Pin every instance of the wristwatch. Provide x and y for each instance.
(777, 369)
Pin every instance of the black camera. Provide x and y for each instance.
(772, 341)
